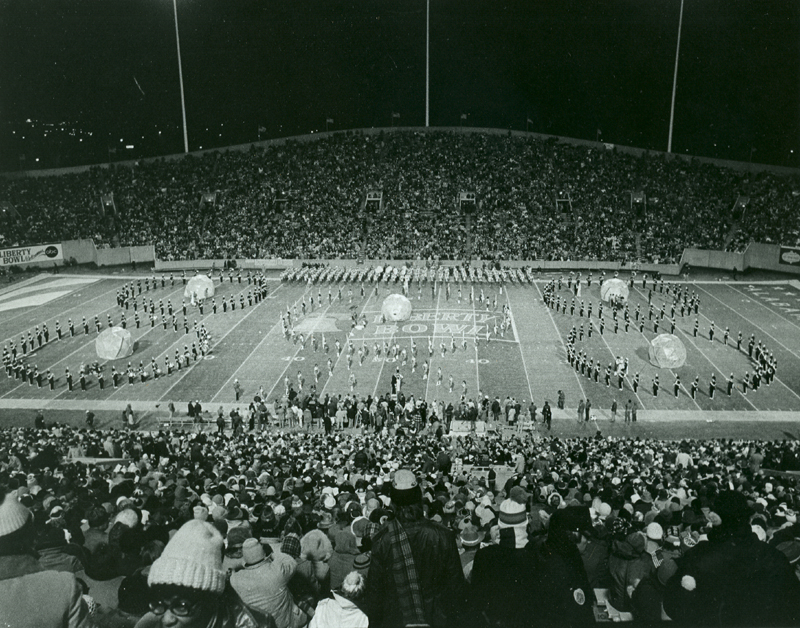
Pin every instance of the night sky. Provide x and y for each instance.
(571, 66)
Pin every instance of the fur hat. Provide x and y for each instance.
(192, 558)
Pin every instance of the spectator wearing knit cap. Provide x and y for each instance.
(29, 595)
(733, 578)
(415, 573)
(188, 586)
(502, 574)
(311, 581)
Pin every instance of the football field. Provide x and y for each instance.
(467, 349)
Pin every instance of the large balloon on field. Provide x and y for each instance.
(396, 307)
(614, 289)
(200, 286)
(667, 352)
(113, 343)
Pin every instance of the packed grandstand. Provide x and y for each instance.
(375, 517)
(303, 199)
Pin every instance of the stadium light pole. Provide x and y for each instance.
(427, 61)
(180, 76)
(675, 81)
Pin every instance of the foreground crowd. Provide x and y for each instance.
(292, 530)
(305, 199)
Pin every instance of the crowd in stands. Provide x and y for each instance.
(392, 528)
(305, 199)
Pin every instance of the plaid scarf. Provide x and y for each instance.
(404, 572)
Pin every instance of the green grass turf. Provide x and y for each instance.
(530, 361)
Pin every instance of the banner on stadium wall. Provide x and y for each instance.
(790, 256)
(28, 254)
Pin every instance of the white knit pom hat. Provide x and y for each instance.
(13, 515)
(192, 558)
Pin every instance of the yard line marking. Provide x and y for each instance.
(521, 352)
(433, 344)
(610, 350)
(378, 379)
(766, 333)
(777, 379)
(180, 377)
(347, 335)
(757, 302)
(552, 320)
(171, 345)
(291, 362)
(477, 364)
(233, 375)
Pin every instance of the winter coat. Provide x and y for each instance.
(734, 581)
(31, 597)
(441, 580)
(502, 578)
(344, 554)
(264, 587)
(628, 564)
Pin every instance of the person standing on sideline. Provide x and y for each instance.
(547, 415)
(237, 389)
(614, 411)
(581, 407)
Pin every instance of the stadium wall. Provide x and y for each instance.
(85, 252)
(282, 264)
(758, 255)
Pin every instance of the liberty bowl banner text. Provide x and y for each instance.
(28, 254)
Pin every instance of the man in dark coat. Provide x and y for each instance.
(503, 574)
(415, 574)
(562, 595)
(733, 579)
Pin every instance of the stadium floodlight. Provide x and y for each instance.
(675, 81)
(180, 76)
(427, 62)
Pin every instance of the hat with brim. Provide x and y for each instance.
(405, 489)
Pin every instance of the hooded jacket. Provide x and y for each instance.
(628, 564)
